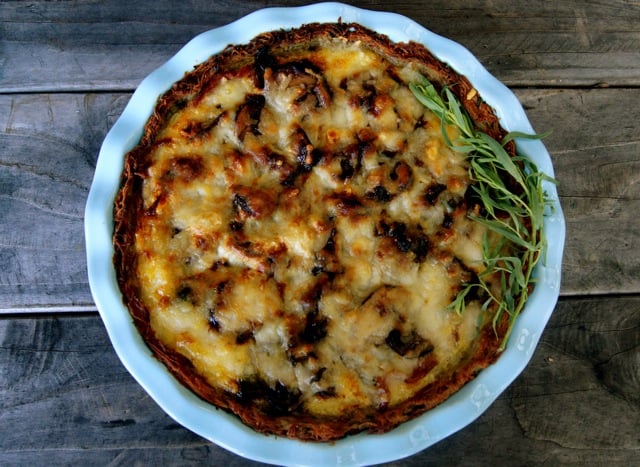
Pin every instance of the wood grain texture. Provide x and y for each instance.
(577, 400)
(67, 69)
(48, 148)
(587, 367)
(64, 374)
(595, 148)
(85, 46)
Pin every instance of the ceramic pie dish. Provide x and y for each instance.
(216, 425)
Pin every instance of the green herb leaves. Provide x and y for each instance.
(514, 203)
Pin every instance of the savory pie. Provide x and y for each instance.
(293, 226)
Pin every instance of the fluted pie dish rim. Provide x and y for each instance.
(217, 426)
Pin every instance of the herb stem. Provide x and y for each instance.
(510, 190)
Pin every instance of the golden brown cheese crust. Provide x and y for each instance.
(291, 228)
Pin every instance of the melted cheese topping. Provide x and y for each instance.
(309, 233)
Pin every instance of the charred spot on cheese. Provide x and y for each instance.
(345, 203)
(317, 376)
(248, 115)
(380, 194)
(213, 319)
(432, 193)
(326, 261)
(306, 155)
(315, 327)
(244, 336)
(293, 227)
(330, 245)
(401, 175)
(408, 344)
(263, 60)
(235, 226)
(275, 400)
(447, 222)
(197, 129)
(405, 239)
(351, 160)
(326, 393)
(253, 202)
(366, 97)
(186, 293)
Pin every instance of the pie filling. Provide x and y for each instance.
(293, 227)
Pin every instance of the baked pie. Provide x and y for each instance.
(294, 225)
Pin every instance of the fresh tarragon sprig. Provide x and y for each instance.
(510, 189)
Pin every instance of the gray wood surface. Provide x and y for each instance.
(49, 144)
(67, 70)
(113, 45)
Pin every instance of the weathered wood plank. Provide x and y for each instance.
(65, 398)
(49, 46)
(587, 367)
(64, 374)
(49, 144)
(48, 148)
(202, 454)
(595, 147)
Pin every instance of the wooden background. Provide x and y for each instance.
(68, 68)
